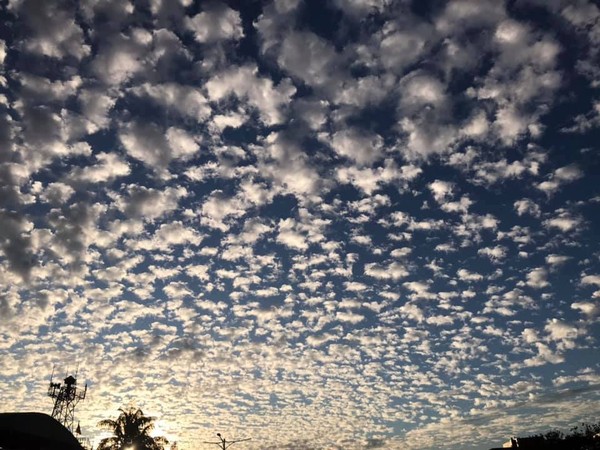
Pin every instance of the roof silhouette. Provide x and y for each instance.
(34, 431)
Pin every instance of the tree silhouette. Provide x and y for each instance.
(131, 430)
(582, 437)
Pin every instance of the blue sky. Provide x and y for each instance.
(338, 224)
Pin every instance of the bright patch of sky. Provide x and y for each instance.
(329, 224)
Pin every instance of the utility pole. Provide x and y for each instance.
(224, 443)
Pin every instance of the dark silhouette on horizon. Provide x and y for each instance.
(224, 443)
(131, 429)
(66, 397)
(582, 437)
(35, 431)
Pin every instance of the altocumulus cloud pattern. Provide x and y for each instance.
(333, 224)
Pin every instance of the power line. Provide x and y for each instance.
(224, 443)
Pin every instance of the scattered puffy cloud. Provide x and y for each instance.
(494, 253)
(382, 220)
(364, 150)
(156, 147)
(560, 176)
(537, 278)
(261, 93)
(563, 221)
(527, 206)
(53, 27)
(216, 23)
(593, 280)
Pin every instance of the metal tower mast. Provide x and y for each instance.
(66, 396)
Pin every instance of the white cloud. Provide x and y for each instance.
(188, 101)
(355, 286)
(585, 122)
(363, 149)
(181, 143)
(556, 260)
(307, 57)
(560, 177)
(96, 107)
(260, 92)
(108, 167)
(537, 278)
(149, 204)
(166, 237)
(561, 331)
(461, 206)
(150, 144)
(494, 253)
(218, 207)
(593, 280)
(412, 311)
(421, 89)
(441, 190)
(465, 275)
(350, 317)
(590, 309)
(527, 206)
(2, 51)
(563, 221)
(120, 58)
(57, 193)
(393, 271)
(55, 31)
(215, 24)
(289, 236)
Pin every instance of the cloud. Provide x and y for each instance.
(349, 317)
(148, 143)
(166, 237)
(494, 253)
(465, 275)
(393, 271)
(307, 57)
(121, 57)
(588, 308)
(593, 280)
(527, 206)
(556, 260)
(537, 278)
(585, 122)
(441, 190)
(108, 167)
(261, 93)
(563, 221)
(216, 23)
(289, 236)
(149, 204)
(344, 219)
(350, 143)
(186, 100)
(16, 245)
(560, 177)
(57, 193)
(55, 32)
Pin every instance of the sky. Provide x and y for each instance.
(325, 224)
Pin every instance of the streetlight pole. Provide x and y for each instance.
(224, 443)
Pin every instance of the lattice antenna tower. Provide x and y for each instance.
(66, 396)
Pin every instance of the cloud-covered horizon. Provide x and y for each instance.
(343, 224)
